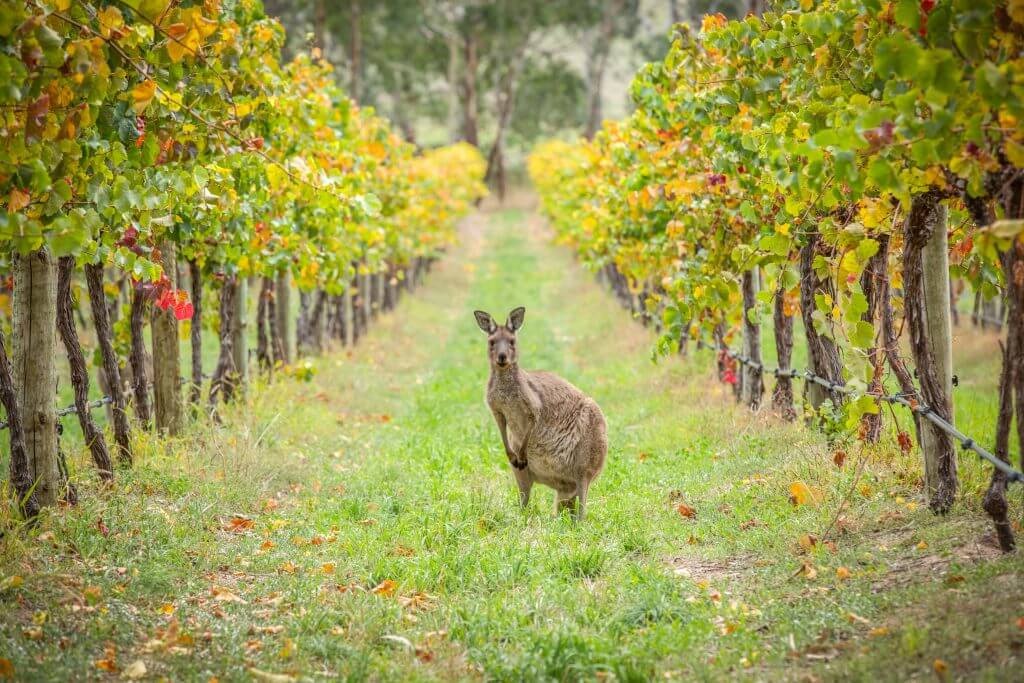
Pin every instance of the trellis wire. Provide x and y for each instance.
(966, 442)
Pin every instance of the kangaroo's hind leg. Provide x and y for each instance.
(565, 499)
(581, 497)
(524, 480)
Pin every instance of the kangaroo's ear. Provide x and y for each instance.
(485, 321)
(515, 319)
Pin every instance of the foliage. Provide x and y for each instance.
(131, 122)
(820, 118)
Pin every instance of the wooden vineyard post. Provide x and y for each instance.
(752, 389)
(167, 399)
(35, 369)
(926, 301)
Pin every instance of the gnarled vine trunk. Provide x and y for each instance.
(137, 358)
(222, 386)
(196, 330)
(782, 394)
(21, 472)
(79, 370)
(111, 366)
(822, 353)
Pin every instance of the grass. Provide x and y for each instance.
(365, 525)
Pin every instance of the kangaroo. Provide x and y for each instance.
(552, 432)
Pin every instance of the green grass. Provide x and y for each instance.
(386, 472)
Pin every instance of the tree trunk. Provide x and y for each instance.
(782, 395)
(753, 381)
(79, 371)
(111, 367)
(137, 359)
(926, 302)
(283, 302)
(469, 91)
(889, 336)
(356, 51)
(597, 61)
(239, 330)
(321, 34)
(196, 330)
(821, 351)
(953, 311)
(453, 87)
(167, 398)
(222, 386)
(35, 372)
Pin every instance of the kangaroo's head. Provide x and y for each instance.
(501, 339)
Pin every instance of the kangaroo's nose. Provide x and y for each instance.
(502, 358)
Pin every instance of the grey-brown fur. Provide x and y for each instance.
(553, 433)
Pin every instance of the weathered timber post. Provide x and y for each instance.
(753, 381)
(167, 398)
(926, 301)
(35, 370)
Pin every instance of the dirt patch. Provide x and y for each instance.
(699, 569)
(918, 565)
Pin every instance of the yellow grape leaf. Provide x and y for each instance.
(1015, 8)
(842, 573)
(143, 94)
(940, 667)
(110, 19)
(17, 200)
(807, 542)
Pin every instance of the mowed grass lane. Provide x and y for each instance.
(365, 525)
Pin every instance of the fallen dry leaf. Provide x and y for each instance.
(685, 510)
(801, 494)
(135, 670)
(221, 594)
(807, 542)
(842, 573)
(268, 677)
(327, 568)
(386, 588)
(878, 631)
(807, 571)
(238, 524)
(839, 457)
(941, 668)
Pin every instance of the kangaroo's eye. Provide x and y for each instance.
(491, 342)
